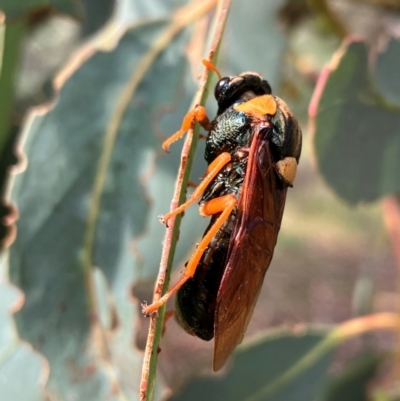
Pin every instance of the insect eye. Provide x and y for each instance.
(222, 83)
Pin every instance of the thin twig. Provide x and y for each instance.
(156, 323)
(183, 17)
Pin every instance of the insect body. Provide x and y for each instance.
(253, 148)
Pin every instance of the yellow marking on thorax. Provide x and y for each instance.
(259, 106)
(287, 169)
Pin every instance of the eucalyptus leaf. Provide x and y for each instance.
(63, 145)
(352, 383)
(357, 137)
(386, 71)
(16, 9)
(17, 359)
(257, 365)
(254, 40)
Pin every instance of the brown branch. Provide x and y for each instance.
(182, 18)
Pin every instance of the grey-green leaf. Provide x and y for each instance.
(63, 146)
(15, 9)
(357, 136)
(386, 73)
(257, 365)
(352, 383)
(17, 359)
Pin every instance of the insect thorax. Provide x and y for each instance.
(230, 130)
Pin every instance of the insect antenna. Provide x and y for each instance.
(212, 67)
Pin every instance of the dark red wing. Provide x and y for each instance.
(251, 247)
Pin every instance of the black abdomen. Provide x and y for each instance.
(196, 299)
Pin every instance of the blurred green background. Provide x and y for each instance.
(66, 68)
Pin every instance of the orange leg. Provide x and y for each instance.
(212, 171)
(224, 205)
(197, 114)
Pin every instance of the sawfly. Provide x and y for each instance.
(252, 150)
